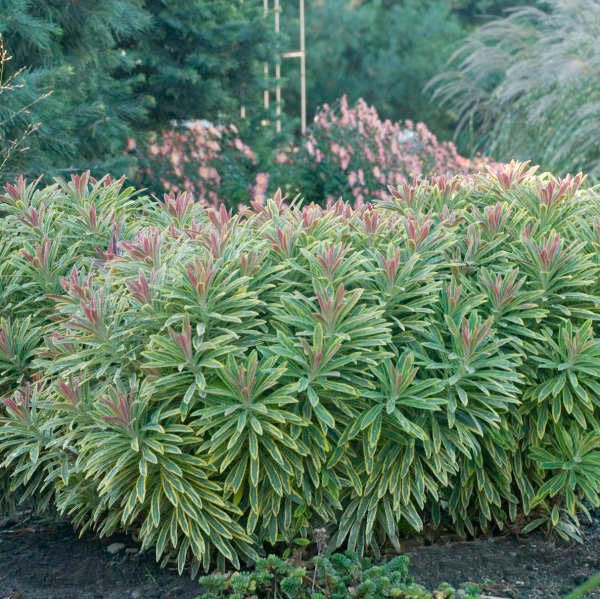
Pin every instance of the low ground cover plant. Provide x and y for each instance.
(342, 576)
(220, 383)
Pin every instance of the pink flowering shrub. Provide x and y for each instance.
(349, 153)
(353, 154)
(211, 163)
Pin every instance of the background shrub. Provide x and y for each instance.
(360, 49)
(210, 162)
(383, 51)
(350, 153)
(216, 382)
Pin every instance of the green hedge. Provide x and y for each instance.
(218, 382)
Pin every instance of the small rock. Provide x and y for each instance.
(460, 594)
(531, 568)
(115, 548)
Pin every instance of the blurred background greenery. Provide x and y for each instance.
(385, 51)
(86, 77)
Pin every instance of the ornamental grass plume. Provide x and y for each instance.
(525, 86)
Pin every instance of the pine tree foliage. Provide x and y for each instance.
(15, 126)
(201, 59)
(120, 67)
(71, 49)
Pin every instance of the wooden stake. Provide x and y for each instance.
(277, 73)
(266, 65)
(302, 69)
(301, 54)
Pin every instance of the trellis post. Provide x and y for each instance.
(300, 54)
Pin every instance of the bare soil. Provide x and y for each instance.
(45, 560)
(508, 566)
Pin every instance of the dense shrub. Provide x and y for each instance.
(353, 154)
(216, 381)
(47, 233)
(210, 162)
(349, 153)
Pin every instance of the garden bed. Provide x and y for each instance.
(46, 560)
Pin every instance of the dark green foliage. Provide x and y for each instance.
(201, 59)
(474, 12)
(342, 576)
(118, 69)
(72, 50)
(15, 124)
(383, 51)
(222, 382)
(121, 67)
(383, 54)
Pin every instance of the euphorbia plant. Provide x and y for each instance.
(216, 381)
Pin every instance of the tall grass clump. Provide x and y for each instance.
(220, 382)
(526, 85)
